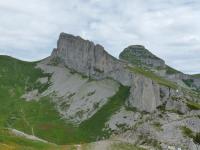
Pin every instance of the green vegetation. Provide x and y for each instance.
(162, 108)
(196, 75)
(193, 105)
(134, 54)
(188, 82)
(9, 141)
(131, 58)
(145, 140)
(196, 138)
(153, 76)
(137, 56)
(175, 98)
(176, 111)
(92, 128)
(170, 70)
(158, 126)
(40, 117)
(124, 146)
(189, 133)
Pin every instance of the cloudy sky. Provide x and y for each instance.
(29, 29)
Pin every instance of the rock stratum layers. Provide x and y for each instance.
(89, 59)
(93, 61)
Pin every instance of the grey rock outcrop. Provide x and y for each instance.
(145, 94)
(89, 59)
(138, 55)
(179, 76)
(196, 82)
(93, 61)
(176, 106)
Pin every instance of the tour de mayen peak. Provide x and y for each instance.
(81, 97)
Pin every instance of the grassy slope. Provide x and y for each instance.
(196, 75)
(95, 124)
(9, 141)
(128, 56)
(41, 117)
(170, 70)
(153, 76)
(16, 113)
(124, 146)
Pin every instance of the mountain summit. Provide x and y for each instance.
(139, 55)
(84, 56)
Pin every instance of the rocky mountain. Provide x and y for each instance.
(139, 56)
(82, 94)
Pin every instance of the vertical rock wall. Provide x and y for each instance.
(92, 60)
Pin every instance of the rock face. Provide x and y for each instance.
(76, 97)
(145, 94)
(89, 59)
(196, 82)
(139, 55)
(92, 60)
(179, 76)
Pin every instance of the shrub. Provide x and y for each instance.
(187, 131)
(193, 105)
(158, 126)
(196, 138)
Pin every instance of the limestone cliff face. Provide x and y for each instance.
(138, 55)
(145, 94)
(84, 56)
(89, 59)
(197, 82)
(92, 60)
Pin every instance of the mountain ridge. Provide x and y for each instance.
(82, 91)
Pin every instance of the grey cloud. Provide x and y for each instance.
(170, 29)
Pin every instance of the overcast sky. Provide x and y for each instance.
(29, 29)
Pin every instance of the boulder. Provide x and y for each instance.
(145, 94)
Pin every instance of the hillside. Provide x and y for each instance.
(32, 117)
(196, 75)
(82, 95)
(141, 57)
(40, 117)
